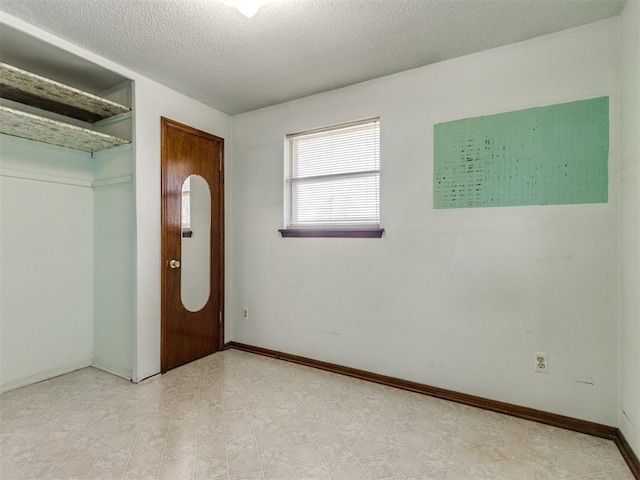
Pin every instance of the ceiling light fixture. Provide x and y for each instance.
(246, 7)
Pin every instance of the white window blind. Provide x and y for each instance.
(186, 205)
(333, 177)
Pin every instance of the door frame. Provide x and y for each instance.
(165, 124)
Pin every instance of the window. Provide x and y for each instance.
(186, 208)
(332, 184)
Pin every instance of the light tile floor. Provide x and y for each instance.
(239, 416)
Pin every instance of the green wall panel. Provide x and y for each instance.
(539, 156)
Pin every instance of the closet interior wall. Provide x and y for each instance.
(67, 226)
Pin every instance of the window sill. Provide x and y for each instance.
(332, 232)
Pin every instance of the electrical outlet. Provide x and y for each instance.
(245, 313)
(540, 362)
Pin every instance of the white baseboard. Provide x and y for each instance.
(39, 377)
(112, 369)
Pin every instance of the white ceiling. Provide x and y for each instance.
(294, 48)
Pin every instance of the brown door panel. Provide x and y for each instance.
(186, 335)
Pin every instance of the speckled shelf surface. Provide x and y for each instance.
(33, 127)
(31, 89)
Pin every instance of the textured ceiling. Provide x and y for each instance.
(294, 48)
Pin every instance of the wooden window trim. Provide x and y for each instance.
(332, 232)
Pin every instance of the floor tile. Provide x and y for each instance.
(211, 468)
(147, 472)
(314, 472)
(409, 463)
(308, 454)
(33, 470)
(379, 468)
(276, 458)
(282, 474)
(248, 476)
(351, 470)
(244, 462)
(75, 465)
(272, 439)
(10, 469)
(180, 469)
(106, 475)
(337, 451)
(363, 447)
(146, 455)
(112, 459)
(456, 474)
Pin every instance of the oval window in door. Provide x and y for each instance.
(195, 266)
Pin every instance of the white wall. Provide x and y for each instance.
(114, 262)
(630, 224)
(458, 299)
(46, 261)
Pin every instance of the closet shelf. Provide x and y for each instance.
(31, 89)
(33, 127)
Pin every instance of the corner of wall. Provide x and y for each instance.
(629, 410)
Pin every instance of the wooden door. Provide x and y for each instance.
(189, 335)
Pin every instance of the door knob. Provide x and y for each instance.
(174, 264)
